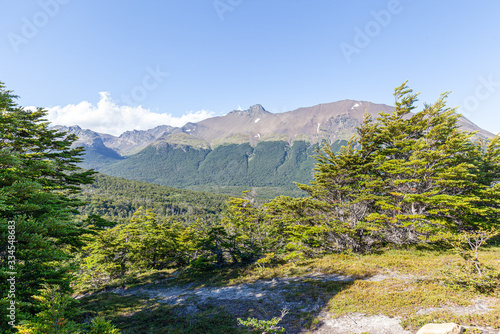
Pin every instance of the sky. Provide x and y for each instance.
(118, 65)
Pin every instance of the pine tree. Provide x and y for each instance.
(38, 173)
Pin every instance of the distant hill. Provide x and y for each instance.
(244, 149)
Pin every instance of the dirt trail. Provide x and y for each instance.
(271, 296)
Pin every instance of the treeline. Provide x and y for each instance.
(117, 199)
(269, 164)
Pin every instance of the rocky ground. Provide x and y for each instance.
(307, 305)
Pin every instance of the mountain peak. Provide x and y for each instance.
(257, 108)
(254, 110)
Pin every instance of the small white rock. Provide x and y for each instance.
(449, 328)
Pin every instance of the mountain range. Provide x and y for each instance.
(244, 149)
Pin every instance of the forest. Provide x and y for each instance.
(405, 180)
(117, 199)
(271, 167)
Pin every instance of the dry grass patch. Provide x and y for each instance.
(394, 297)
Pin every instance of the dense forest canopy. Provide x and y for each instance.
(118, 199)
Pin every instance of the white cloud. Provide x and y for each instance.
(108, 117)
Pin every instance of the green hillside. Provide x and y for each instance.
(270, 167)
(96, 157)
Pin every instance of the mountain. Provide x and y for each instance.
(97, 154)
(330, 121)
(131, 142)
(244, 149)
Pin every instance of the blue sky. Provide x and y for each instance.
(177, 61)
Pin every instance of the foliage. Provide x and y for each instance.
(473, 274)
(244, 234)
(118, 199)
(264, 326)
(465, 277)
(99, 325)
(248, 228)
(274, 165)
(141, 244)
(403, 179)
(57, 310)
(166, 164)
(302, 232)
(38, 173)
(54, 316)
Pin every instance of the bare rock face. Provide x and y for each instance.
(449, 328)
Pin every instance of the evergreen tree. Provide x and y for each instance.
(249, 232)
(407, 177)
(38, 173)
(143, 243)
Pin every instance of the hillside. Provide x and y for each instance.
(230, 167)
(228, 154)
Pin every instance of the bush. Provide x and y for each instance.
(99, 325)
(264, 326)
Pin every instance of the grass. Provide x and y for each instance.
(395, 297)
(410, 285)
(490, 319)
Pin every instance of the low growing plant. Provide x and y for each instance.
(264, 326)
(473, 274)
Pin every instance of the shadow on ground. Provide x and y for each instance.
(214, 310)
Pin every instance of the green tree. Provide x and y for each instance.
(143, 243)
(245, 233)
(55, 314)
(249, 231)
(405, 178)
(55, 317)
(301, 227)
(38, 174)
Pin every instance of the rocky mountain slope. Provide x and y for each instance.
(243, 149)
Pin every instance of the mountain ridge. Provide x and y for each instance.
(241, 150)
(327, 121)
